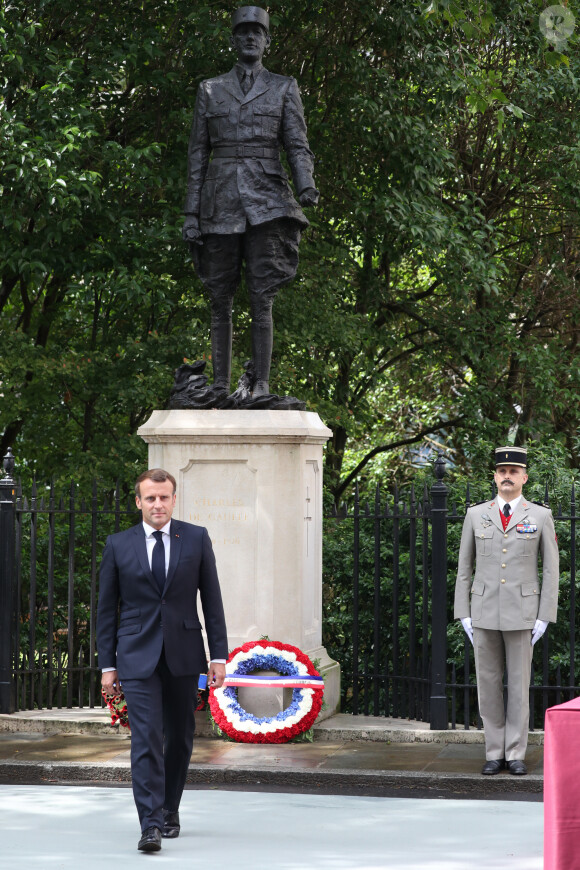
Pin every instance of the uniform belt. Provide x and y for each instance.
(245, 151)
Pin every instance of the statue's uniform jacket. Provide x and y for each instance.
(506, 594)
(227, 192)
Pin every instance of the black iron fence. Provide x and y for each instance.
(49, 552)
(389, 573)
(389, 581)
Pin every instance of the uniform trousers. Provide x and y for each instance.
(269, 252)
(505, 727)
(161, 712)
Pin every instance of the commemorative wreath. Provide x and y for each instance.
(296, 672)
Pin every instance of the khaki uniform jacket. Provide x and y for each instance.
(506, 593)
(251, 184)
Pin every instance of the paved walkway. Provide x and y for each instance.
(92, 828)
(364, 795)
(349, 754)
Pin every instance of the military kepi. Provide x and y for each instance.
(251, 15)
(511, 456)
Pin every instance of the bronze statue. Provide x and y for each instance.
(240, 210)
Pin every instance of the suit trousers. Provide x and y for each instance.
(506, 728)
(161, 714)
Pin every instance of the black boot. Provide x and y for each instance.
(262, 337)
(221, 354)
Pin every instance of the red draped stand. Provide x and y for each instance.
(562, 787)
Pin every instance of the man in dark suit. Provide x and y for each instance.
(239, 206)
(151, 647)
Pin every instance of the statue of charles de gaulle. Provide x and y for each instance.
(240, 211)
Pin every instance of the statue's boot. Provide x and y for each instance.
(262, 337)
(221, 355)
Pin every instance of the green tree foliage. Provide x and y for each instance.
(459, 218)
(98, 302)
(437, 296)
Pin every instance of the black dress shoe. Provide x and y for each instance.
(490, 768)
(171, 825)
(517, 767)
(150, 840)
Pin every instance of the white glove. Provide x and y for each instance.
(468, 627)
(538, 630)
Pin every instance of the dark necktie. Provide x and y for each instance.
(247, 82)
(158, 560)
(506, 510)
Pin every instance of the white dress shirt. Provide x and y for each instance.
(150, 542)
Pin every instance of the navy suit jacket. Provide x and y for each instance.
(135, 620)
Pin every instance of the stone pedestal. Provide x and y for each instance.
(254, 479)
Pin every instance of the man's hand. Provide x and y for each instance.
(468, 627)
(308, 197)
(110, 683)
(216, 675)
(191, 231)
(538, 630)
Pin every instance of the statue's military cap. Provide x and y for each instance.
(251, 15)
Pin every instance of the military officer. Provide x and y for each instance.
(509, 608)
(239, 206)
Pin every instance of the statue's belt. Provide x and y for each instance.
(224, 151)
